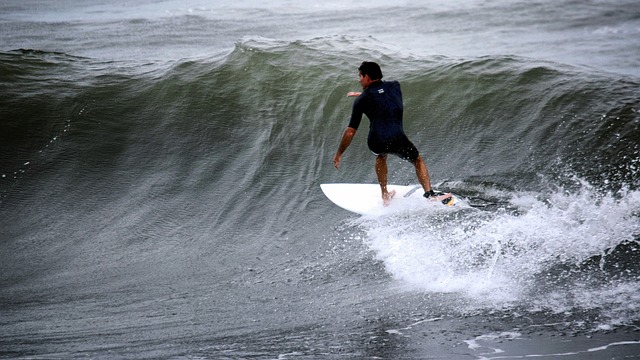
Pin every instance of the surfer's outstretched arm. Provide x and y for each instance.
(353, 94)
(348, 135)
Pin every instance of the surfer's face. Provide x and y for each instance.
(364, 80)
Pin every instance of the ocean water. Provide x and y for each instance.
(160, 164)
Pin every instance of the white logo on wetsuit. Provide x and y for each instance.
(380, 91)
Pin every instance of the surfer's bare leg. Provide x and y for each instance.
(381, 172)
(423, 177)
(423, 174)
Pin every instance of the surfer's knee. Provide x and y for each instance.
(381, 160)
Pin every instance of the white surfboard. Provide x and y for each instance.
(365, 199)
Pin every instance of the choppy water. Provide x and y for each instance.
(160, 167)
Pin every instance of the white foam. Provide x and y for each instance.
(476, 343)
(487, 347)
(495, 256)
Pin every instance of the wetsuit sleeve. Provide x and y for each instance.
(356, 112)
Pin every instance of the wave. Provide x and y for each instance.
(227, 152)
(486, 116)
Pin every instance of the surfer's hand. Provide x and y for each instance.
(336, 160)
(353, 94)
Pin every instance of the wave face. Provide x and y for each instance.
(192, 188)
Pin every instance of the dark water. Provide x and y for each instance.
(170, 207)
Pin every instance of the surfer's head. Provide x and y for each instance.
(372, 69)
(369, 73)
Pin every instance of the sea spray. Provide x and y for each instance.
(512, 253)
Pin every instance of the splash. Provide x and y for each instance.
(507, 255)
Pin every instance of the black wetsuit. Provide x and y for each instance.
(382, 103)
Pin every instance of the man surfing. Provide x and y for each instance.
(381, 101)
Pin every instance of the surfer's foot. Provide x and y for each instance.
(386, 198)
(436, 195)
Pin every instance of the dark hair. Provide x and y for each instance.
(372, 69)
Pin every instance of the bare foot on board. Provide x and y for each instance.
(441, 197)
(446, 199)
(387, 199)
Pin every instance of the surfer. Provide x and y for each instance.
(381, 101)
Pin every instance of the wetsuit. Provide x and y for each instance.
(382, 103)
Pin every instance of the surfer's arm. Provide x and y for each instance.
(353, 94)
(344, 144)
